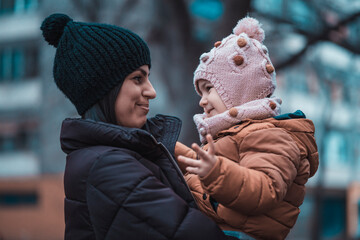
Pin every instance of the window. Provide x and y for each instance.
(7, 6)
(337, 150)
(19, 136)
(17, 6)
(18, 63)
(207, 9)
(8, 199)
(333, 217)
(296, 81)
(274, 7)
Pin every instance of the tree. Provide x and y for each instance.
(169, 30)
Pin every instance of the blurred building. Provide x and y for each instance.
(31, 200)
(323, 83)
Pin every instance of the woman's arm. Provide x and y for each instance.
(126, 200)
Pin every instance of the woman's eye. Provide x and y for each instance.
(138, 79)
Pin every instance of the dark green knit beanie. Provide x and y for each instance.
(92, 58)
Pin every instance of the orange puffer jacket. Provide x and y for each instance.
(258, 182)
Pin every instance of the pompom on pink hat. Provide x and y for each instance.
(239, 66)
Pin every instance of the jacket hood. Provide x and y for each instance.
(303, 131)
(297, 122)
(298, 126)
(81, 133)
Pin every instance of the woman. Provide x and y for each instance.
(121, 180)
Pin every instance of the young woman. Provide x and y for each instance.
(121, 180)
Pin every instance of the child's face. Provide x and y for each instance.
(210, 100)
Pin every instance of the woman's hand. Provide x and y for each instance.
(202, 166)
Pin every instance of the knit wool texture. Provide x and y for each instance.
(92, 58)
(239, 67)
(256, 109)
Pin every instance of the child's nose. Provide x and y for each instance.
(203, 102)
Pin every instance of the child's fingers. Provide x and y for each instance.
(201, 152)
(189, 161)
(195, 147)
(203, 155)
(193, 170)
(210, 140)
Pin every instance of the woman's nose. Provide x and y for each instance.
(149, 91)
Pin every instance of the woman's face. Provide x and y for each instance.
(132, 102)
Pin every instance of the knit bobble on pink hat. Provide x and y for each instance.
(251, 27)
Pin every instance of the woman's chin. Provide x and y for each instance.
(136, 122)
(141, 121)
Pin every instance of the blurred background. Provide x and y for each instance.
(314, 45)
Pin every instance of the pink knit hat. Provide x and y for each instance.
(239, 66)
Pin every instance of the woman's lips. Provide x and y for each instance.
(145, 107)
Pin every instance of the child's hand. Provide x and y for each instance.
(202, 166)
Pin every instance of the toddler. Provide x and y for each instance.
(250, 174)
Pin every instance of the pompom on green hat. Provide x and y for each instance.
(92, 58)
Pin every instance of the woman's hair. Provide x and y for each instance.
(104, 110)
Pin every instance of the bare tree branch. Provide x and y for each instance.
(77, 4)
(90, 9)
(181, 18)
(126, 7)
(313, 39)
(234, 10)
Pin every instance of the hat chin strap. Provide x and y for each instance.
(257, 109)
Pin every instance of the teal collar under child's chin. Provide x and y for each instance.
(238, 235)
(296, 114)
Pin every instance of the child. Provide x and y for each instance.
(250, 179)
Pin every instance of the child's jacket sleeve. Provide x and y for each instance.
(268, 164)
(181, 149)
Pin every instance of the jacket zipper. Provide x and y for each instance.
(173, 162)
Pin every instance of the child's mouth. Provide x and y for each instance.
(208, 112)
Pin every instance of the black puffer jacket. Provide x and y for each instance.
(123, 183)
